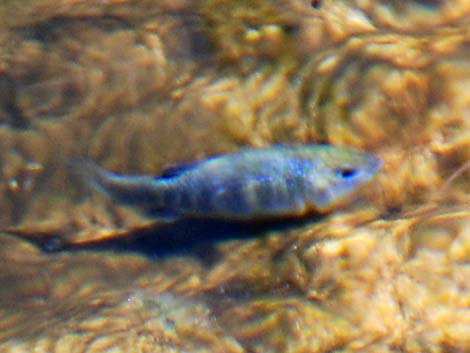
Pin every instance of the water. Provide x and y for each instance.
(140, 86)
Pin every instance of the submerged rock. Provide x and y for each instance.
(119, 82)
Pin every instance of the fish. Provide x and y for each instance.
(250, 184)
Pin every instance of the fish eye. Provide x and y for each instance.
(346, 173)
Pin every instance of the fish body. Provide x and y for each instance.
(285, 180)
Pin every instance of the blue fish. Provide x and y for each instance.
(277, 181)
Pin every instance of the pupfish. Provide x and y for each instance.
(253, 183)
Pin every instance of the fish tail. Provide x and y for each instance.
(143, 192)
(89, 173)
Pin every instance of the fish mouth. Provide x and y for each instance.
(375, 164)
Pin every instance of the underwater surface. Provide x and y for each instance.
(141, 86)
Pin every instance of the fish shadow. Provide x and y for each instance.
(196, 237)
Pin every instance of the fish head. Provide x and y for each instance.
(339, 172)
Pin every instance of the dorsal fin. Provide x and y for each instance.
(177, 169)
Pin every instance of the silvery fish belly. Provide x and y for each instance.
(285, 180)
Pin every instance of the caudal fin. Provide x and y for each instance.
(89, 174)
(141, 191)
